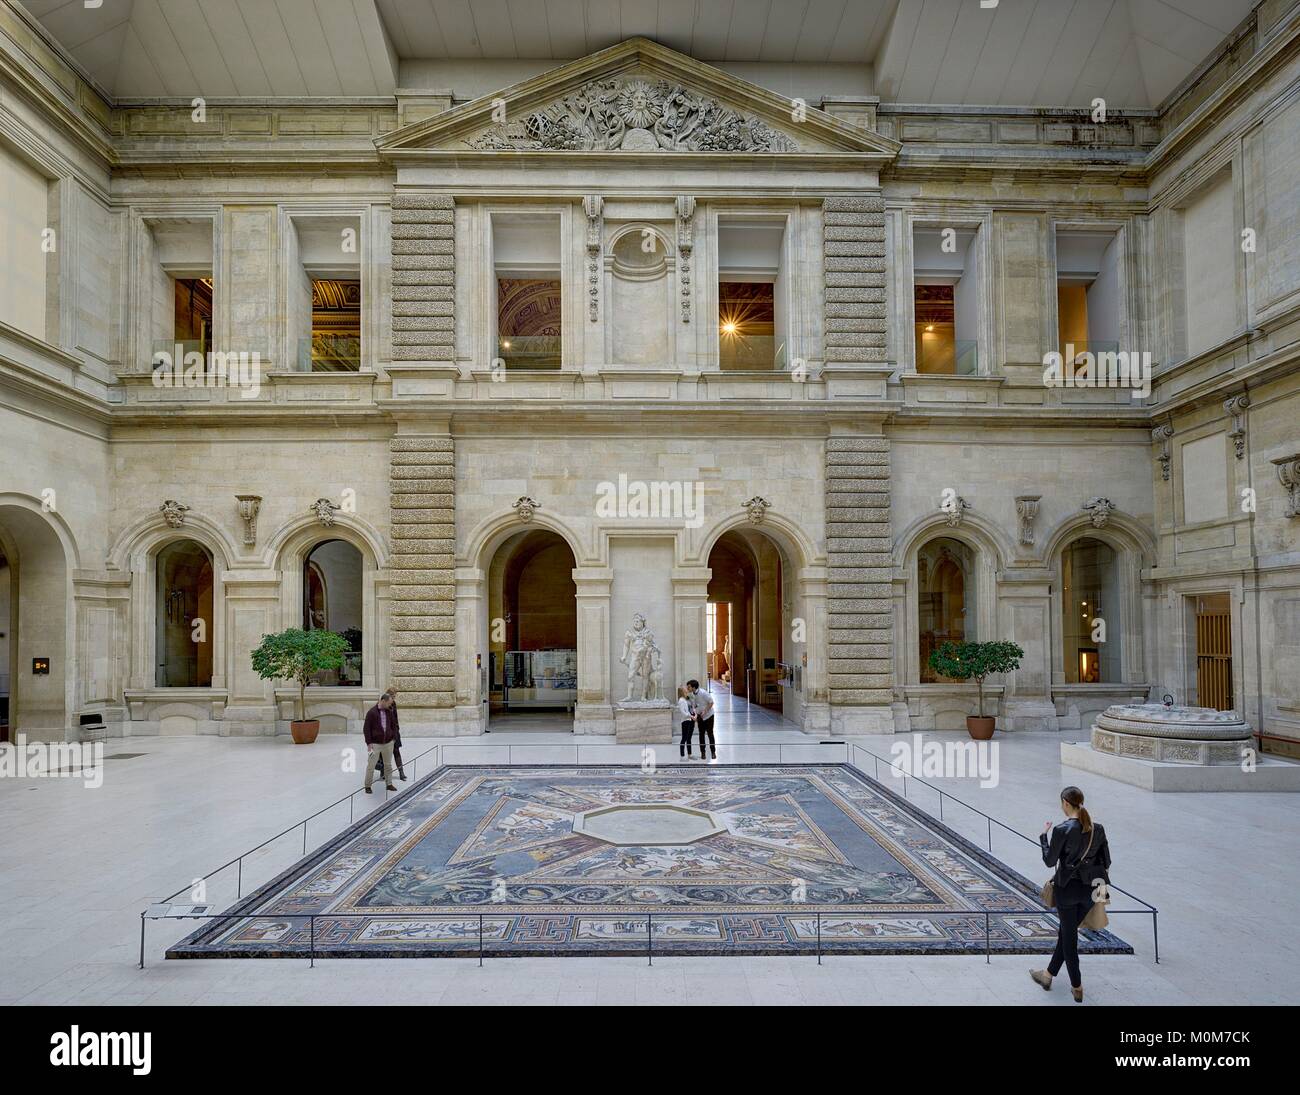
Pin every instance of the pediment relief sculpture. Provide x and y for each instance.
(632, 114)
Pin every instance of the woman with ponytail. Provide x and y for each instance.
(1078, 850)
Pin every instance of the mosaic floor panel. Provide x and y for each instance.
(746, 859)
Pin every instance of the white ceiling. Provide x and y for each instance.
(1133, 53)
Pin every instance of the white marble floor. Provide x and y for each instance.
(77, 866)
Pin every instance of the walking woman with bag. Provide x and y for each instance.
(1078, 849)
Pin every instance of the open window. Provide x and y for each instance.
(529, 294)
(946, 291)
(752, 311)
(177, 288)
(324, 298)
(1087, 292)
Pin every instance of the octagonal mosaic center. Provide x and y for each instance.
(651, 823)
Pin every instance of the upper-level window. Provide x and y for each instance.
(1210, 256)
(325, 297)
(177, 291)
(25, 245)
(947, 299)
(526, 265)
(1087, 293)
(752, 287)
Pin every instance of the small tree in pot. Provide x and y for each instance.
(297, 655)
(966, 661)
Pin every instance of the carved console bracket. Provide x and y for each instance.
(757, 508)
(955, 507)
(249, 504)
(1288, 474)
(1235, 406)
(1099, 511)
(1161, 435)
(325, 511)
(526, 507)
(1026, 511)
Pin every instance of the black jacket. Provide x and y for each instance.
(1075, 874)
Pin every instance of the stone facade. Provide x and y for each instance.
(852, 452)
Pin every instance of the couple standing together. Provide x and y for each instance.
(696, 709)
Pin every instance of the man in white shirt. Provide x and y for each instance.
(702, 705)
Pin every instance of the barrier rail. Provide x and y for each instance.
(442, 757)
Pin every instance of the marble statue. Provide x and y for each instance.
(642, 657)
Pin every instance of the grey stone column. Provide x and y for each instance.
(424, 277)
(854, 246)
(860, 669)
(422, 633)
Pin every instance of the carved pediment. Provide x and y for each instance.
(636, 97)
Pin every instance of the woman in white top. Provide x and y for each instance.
(688, 720)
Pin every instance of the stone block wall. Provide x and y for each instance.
(424, 277)
(854, 246)
(860, 647)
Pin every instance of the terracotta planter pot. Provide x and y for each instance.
(981, 729)
(304, 733)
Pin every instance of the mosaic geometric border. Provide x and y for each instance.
(730, 896)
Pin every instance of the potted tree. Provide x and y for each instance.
(296, 655)
(966, 661)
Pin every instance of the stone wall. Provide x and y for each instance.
(860, 647)
(854, 246)
(424, 277)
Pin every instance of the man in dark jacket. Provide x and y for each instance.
(381, 737)
(397, 742)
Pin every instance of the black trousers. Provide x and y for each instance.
(688, 727)
(1067, 941)
(706, 727)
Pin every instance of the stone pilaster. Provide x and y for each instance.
(860, 657)
(854, 248)
(422, 633)
(424, 276)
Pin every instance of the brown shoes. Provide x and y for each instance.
(1042, 979)
(1078, 994)
(389, 787)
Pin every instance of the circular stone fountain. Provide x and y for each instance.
(1171, 734)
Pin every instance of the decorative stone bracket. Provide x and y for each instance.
(526, 507)
(956, 509)
(1288, 474)
(1235, 406)
(757, 508)
(1026, 511)
(249, 504)
(1161, 435)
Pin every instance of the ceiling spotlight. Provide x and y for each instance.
(729, 328)
(929, 328)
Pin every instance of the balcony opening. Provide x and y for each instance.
(946, 294)
(529, 292)
(752, 312)
(1087, 295)
(325, 295)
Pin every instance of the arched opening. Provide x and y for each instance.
(1090, 602)
(333, 594)
(35, 655)
(183, 618)
(945, 589)
(35, 670)
(747, 643)
(532, 630)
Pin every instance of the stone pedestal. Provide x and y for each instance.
(647, 723)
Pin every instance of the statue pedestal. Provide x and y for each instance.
(649, 722)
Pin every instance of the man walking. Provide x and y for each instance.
(381, 737)
(397, 741)
(702, 705)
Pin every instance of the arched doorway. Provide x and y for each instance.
(333, 599)
(749, 650)
(532, 629)
(36, 672)
(945, 584)
(183, 621)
